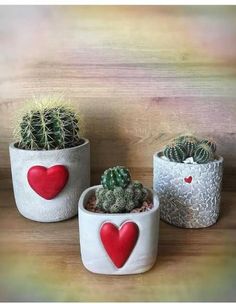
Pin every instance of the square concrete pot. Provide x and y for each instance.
(47, 183)
(118, 244)
(189, 194)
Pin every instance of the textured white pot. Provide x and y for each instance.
(94, 255)
(189, 194)
(30, 204)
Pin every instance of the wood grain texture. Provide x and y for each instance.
(139, 76)
(42, 262)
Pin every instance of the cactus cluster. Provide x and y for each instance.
(119, 194)
(48, 124)
(201, 150)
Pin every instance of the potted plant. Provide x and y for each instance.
(50, 162)
(187, 178)
(118, 225)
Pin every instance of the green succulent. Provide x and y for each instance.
(190, 143)
(203, 154)
(175, 152)
(210, 143)
(120, 200)
(182, 147)
(116, 177)
(48, 124)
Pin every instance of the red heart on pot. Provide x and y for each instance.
(188, 179)
(48, 182)
(119, 242)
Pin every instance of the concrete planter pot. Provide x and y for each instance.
(47, 184)
(189, 194)
(118, 244)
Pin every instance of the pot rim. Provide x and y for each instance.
(82, 209)
(219, 160)
(13, 147)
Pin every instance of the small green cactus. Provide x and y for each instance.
(190, 143)
(115, 177)
(120, 199)
(175, 152)
(47, 125)
(182, 147)
(203, 154)
(210, 143)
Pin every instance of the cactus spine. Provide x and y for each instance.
(121, 199)
(210, 143)
(176, 152)
(203, 154)
(115, 177)
(48, 125)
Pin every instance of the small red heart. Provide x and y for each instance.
(119, 243)
(48, 182)
(188, 179)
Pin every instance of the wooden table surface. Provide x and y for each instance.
(139, 76)
(41, 261)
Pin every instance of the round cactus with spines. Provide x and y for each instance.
(48, 124)
(203, 154)
(211, 143)
(186, 146)
(120, 200)
(175, 152)
(190, 143)
(115, 177)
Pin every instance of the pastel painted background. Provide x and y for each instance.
(139, 76)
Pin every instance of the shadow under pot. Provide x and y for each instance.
(189, 194)
(121, 243)
(47, 184)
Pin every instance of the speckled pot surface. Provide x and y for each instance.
(189, 194)
(64, 205)
(93, 253)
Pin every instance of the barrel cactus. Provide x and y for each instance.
(188, 146)
(210, 143)
(175, 152)
(190, 143)
(203, 154)
(48, 124)
(115, 177)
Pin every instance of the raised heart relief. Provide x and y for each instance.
(48, 182)
(188, 179)
(119, 242)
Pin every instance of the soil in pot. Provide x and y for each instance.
(91, 206)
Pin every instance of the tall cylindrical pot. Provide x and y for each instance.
(47, 184)
(189, 194)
